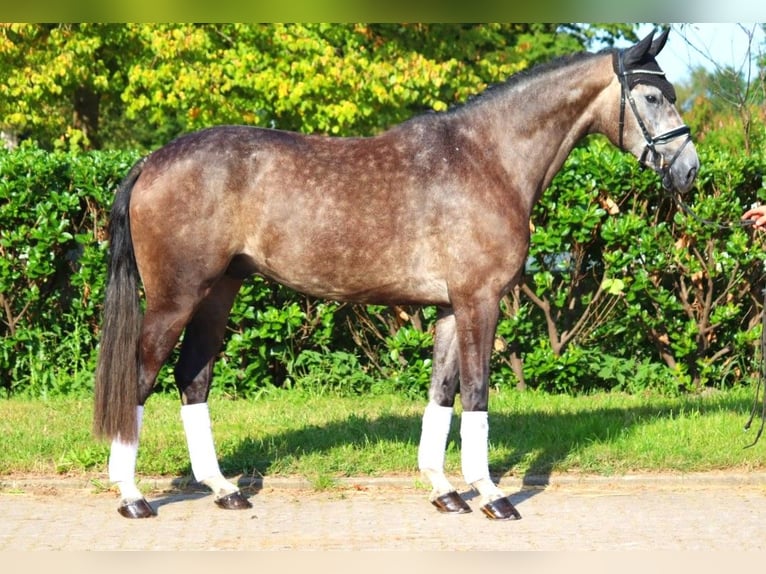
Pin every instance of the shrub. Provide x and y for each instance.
(622, 289)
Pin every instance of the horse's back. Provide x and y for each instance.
(360, 219)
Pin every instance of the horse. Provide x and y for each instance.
(433, 211)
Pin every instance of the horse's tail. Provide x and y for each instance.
(116, 386)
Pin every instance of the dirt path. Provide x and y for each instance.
(704, 512)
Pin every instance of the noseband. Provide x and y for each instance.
(651, 142)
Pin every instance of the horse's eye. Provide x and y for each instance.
(652, 99)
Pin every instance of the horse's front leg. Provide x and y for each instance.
(437, 417)
(193, 374)
(476, 321)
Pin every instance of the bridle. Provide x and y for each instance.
(651, 142)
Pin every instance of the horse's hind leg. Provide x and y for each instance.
(437, 417)
(193, 373)
(160, 331)
(122, 473)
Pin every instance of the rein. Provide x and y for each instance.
(761, 380)
(762, 371)
(709, 222)
(651, 143)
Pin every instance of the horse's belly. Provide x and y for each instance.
(369, 289)
(361, 284)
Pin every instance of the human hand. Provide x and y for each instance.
(757, 214)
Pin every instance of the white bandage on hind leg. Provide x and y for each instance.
(433, 443)
(433, 438)
(199, 439)
(122, 463)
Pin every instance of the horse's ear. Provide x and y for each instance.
(659, 43)
(636, 53)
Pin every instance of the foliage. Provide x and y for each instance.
(52, 257)
(621, 279)
(126, 86)
(622, 290)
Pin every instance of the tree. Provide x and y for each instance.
(727, 102)
(138, 85)
(61, 80)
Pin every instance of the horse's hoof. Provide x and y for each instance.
(501, 509)
(451, 503)
(233, 501)
(137, 509)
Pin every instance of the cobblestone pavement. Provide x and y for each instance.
(699, 512)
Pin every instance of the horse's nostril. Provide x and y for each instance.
(692, 175)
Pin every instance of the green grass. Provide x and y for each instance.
(321, 438)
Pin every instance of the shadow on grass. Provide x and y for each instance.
(537, 442)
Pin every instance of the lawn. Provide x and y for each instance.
(290, 433)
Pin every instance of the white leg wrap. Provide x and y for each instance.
(474, 436)
(433, 443)
(199, 439)
(122, 463)
(488, 490)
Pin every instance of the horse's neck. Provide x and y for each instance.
(537, 123)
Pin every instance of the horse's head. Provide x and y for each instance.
(650, 127)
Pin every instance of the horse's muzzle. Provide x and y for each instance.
(680, 177)
(680, 171)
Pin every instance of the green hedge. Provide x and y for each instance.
(622, 291)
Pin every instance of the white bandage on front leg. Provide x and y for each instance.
(122, 463)
(474, 452)
(199, 439)
(433, 443)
